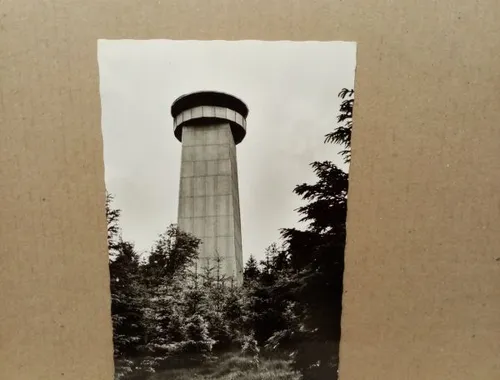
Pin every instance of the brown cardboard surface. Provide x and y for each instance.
(422, 280)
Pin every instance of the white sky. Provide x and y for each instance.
(291, 89)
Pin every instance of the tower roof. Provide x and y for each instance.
(208, 98)
(198, 108)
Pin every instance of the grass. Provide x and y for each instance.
(233, 367)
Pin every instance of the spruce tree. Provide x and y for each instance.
(127, 298)
(215, 286)
(165, 275)
(174, 252)
(113, 226)
(233, 313)
(342, 134)
(127, 301)
(251, 271)
(265, 307)
(316, 260)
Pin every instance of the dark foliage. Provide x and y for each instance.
(251, 271)
(126, 301)
(171, 256)
(316, 262)
(342, 134)
(112, 217)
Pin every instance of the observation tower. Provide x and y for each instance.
(209, 125)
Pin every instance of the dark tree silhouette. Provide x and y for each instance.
(315, 259)
(112, 217)
(266, 306)
(342, 134)
(251, 272)
(127, 297)
(127, 301)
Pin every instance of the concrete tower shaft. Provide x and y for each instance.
(210, 125)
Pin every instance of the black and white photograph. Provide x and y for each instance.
(227, 175)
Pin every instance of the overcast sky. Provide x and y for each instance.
(291, 89)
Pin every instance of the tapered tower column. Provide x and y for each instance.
(210, 125)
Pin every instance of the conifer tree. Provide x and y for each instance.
(127, 301)
(113, 226)
(342, 134)
(199, 344)
(127, 298)
(316, 260)
(165, 275)
(216, 290)
(171, 256)
(264, 309)
(251, 271)
(233, 313)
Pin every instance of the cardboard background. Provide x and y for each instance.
(422, 279)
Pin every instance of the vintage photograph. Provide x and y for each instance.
(226, 169)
